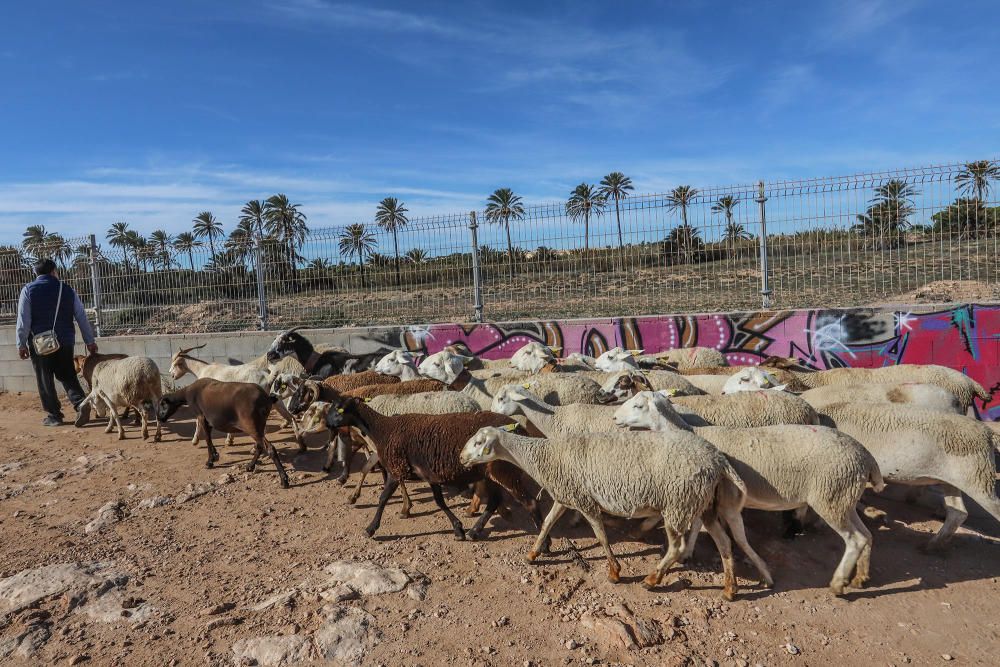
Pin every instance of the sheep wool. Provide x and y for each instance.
(962, 386)
(695, 357)
(428, 402)
(127, 382)
(746, 409)
(917, 394)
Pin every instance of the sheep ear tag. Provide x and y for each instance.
(368, 400)
(510, 428)
(672, 392)
(340, 411)
(526, 385)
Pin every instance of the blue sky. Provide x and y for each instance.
(152, 112)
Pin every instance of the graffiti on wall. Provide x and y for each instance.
(966, 338)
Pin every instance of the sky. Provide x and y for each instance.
(153, 112)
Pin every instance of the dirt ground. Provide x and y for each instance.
(199, 574)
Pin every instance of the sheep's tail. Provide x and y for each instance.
(875, 476)
(980, 391)
(995, 434)
(729, 472)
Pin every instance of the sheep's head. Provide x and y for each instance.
(284, 345)
(508, 399)
(480, 448)
(341, 411)
(534, 360)
(444, 366)
(617, 359)
(619, 387)
(751, 379)
(644, 410)
(285, 385)
(167, 406)
(314, 418)
(393, 363)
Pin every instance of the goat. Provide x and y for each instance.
(322, 364)
(229, 407)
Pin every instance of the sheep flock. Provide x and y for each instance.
(677, 442)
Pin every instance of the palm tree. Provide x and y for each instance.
(285, 222)
(81, 256)
(319, 265)
(501, 207)
(118, 237)
(390, 216)
(58, 248)
(735, 231)
(357, 241)
(888, 212)
(975, 177)
(416, 256)
(616, 185)
(240, 243)
(583, 202)
(252, 216)
(187, 242)
(205, 225)
(163, 242)
(679, 199)
(33, 240)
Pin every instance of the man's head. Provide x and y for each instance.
(45, 267)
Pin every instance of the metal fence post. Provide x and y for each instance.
(261, 293)
(95, 284)
(765, 271)
(477, 283)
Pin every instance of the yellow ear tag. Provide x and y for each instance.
(510, 428)
(672, 392)
(340, 411)
(368, 400)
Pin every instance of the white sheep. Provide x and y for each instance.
(584, 360)
(554, 388)
(785, 467)
(132, 382)
(694, 357)
(710, 384)
(532, 357)
(917, 394)
(752, 379)
(617, 359)
(917, 447)
(398, 363)
(964, 388)
(619, 386)
(678, 477)
(550, 420)
(744, 409)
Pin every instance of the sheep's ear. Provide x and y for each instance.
(779, 387)
(510, 428)
(635, 353)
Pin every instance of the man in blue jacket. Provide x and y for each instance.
(36, 311)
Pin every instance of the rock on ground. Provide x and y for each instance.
(272, 651)
(368, 578)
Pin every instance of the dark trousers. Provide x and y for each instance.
(52, 367)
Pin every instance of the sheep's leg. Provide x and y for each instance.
(955, 515)
(282, 475)
(734, 519)
(557, 511)
(290, 421)
(143, 421)
(597, 524)
(158, 436)
(862, 567)
(855, 541)
(692, 538)
(369, 464)
(492, 502)
(390, 488)
(456, 525)
(197, 434)
(675, 546)
(725, 548)
(986, 499)
(230, 439)
(407, 503)
(474, 505)
(213, 455)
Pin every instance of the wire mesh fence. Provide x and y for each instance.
(826, 242)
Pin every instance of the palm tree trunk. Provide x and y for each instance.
(586, 232)
(211, 246)
(191, 259)
(291, 265)
(395, 251)
(361, 268)
(618, 217)
(510, 250)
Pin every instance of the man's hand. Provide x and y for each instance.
(23, 352)
(92, 348)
